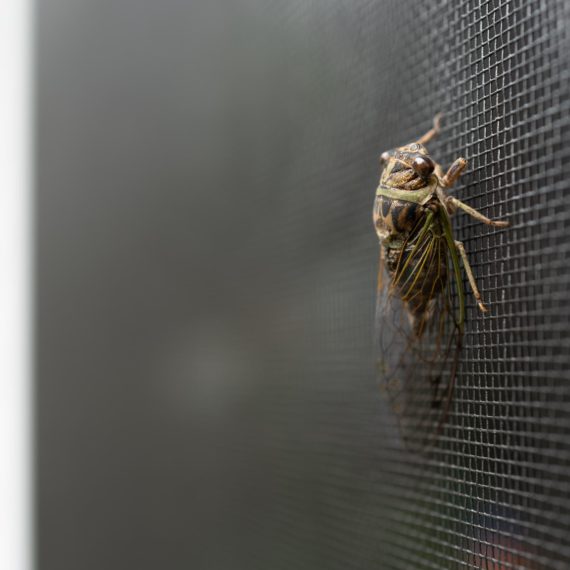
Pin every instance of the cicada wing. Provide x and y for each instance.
(419, 338)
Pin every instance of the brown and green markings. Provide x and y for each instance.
(421, 297)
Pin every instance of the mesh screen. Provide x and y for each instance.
(495, 493)
(206, 284)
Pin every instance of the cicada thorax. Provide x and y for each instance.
(403, 191)
(396, 217)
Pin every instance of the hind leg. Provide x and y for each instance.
(470, 276)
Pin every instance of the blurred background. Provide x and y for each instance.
(205, 175)
(190, 284)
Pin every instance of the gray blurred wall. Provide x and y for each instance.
(205, 279)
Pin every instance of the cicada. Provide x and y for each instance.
(420, 311)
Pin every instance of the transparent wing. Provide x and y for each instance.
(419, 334)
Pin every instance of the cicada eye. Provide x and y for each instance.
(385, 156)
(423, 166)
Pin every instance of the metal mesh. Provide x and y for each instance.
(205, 186)
(495, 493)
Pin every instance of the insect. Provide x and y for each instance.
(420, 310)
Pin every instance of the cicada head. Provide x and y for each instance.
(407, 167)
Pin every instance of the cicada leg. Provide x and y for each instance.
(453, 173)
(470, 276)
(454, 203)
(447, 180)
(433, 131)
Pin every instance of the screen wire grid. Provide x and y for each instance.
(206, 389)
(495, 492)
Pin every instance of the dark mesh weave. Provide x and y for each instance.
(206, 273)
(495, 493)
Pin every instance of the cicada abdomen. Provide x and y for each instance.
(414, 251)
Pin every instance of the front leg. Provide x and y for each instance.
(451, 176)
(433, 132)
(454, 172)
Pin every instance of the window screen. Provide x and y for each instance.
(494, 493)
(206, 275)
